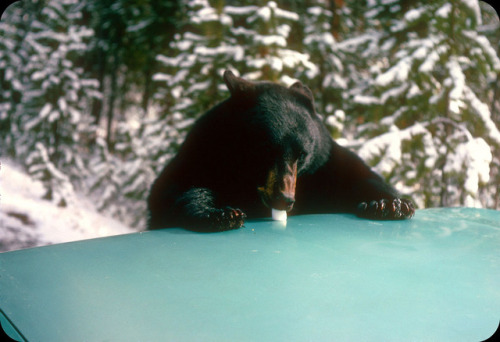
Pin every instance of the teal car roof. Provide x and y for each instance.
(319, 278)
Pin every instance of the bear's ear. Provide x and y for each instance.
(303, 90)
(237, 85)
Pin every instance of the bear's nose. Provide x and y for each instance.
(284, 202)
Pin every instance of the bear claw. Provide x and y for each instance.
(396, 209)
(227, 218)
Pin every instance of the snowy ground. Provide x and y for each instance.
(28, 221)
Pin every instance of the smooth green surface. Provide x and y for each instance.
(322, 278)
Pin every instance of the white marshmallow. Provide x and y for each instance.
(278, 215)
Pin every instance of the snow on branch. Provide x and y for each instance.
(236, 52)
(482, 110)
(56, 183)
(457, 82)
(398, 73)
(390, 146)
(244, 10)
(265, 13)
(486, 48)
(474, 156)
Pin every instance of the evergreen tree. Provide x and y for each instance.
(52, 111)
(122, 54)
(197, 58)
(57, 185)
(13, 29)
(265, 32)
(120, 181)
(329, 83)
(491, 29)
(427, 99)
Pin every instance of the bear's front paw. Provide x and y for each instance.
(227, 218)
(397, 209)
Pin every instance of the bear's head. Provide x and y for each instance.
(284, 130)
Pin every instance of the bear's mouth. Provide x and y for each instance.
(278, 202)
(279, 191)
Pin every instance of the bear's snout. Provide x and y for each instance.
(279, 190)
(278, 201)
(283, 202)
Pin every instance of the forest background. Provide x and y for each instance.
(97, 95)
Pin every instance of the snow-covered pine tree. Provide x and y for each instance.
(490, 27)
(329, 82)
(57, 185)
(265, 31)
(135, 175)
(120, 181)
(431, 127)
(13, 28)
(104, 185)
(199, 55)
(52, 111)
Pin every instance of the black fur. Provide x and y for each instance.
(246, 154)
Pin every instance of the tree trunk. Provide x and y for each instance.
(99, 74)
(96, 110)
(112, 100)
(147, 83)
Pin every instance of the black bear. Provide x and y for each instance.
(265, 148)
